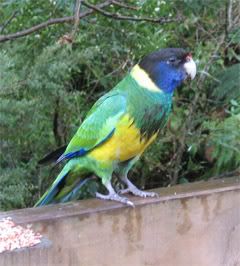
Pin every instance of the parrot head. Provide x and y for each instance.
(169, 67)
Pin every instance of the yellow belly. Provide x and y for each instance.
(124, 144)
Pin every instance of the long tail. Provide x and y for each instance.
(48, 196)
(62, 190)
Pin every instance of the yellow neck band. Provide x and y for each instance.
(143, 79)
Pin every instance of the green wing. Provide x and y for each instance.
(98, 126)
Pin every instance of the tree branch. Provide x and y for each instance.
(161, 20)
(19, 34)
(229, 15)
(123, 5)
(4, 25)
(76, 17)
(93, 8)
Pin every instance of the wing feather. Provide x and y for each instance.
(98, 126)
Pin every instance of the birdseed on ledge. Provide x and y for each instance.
(14, 236)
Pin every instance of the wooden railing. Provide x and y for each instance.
(196, 224)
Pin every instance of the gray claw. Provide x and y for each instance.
(137, 192)
(131, 188)
(124, 191)
(115, 197)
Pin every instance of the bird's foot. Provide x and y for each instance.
(115, 197)
(137, 192)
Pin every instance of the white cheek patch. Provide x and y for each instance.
(190, 68)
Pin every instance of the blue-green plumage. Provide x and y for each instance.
(120, 126)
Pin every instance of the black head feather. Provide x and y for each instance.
(174, 56)
(165, 67)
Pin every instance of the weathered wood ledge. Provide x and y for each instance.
(190, 224)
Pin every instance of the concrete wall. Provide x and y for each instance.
(188, 225)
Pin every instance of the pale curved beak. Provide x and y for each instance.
(190, 68)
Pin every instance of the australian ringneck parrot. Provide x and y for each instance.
(120, 126)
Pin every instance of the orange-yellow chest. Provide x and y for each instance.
(125, 144)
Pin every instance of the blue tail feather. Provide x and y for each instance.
(73, 193)
(49, 195)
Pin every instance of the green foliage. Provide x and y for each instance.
(46, 88)
(224, 138)
(228, 84)
(17, 188)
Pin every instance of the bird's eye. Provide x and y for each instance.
(172, 59)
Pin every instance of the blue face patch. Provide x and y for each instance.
(167, 77)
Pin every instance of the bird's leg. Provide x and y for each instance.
(113, 195)
(131, 188)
